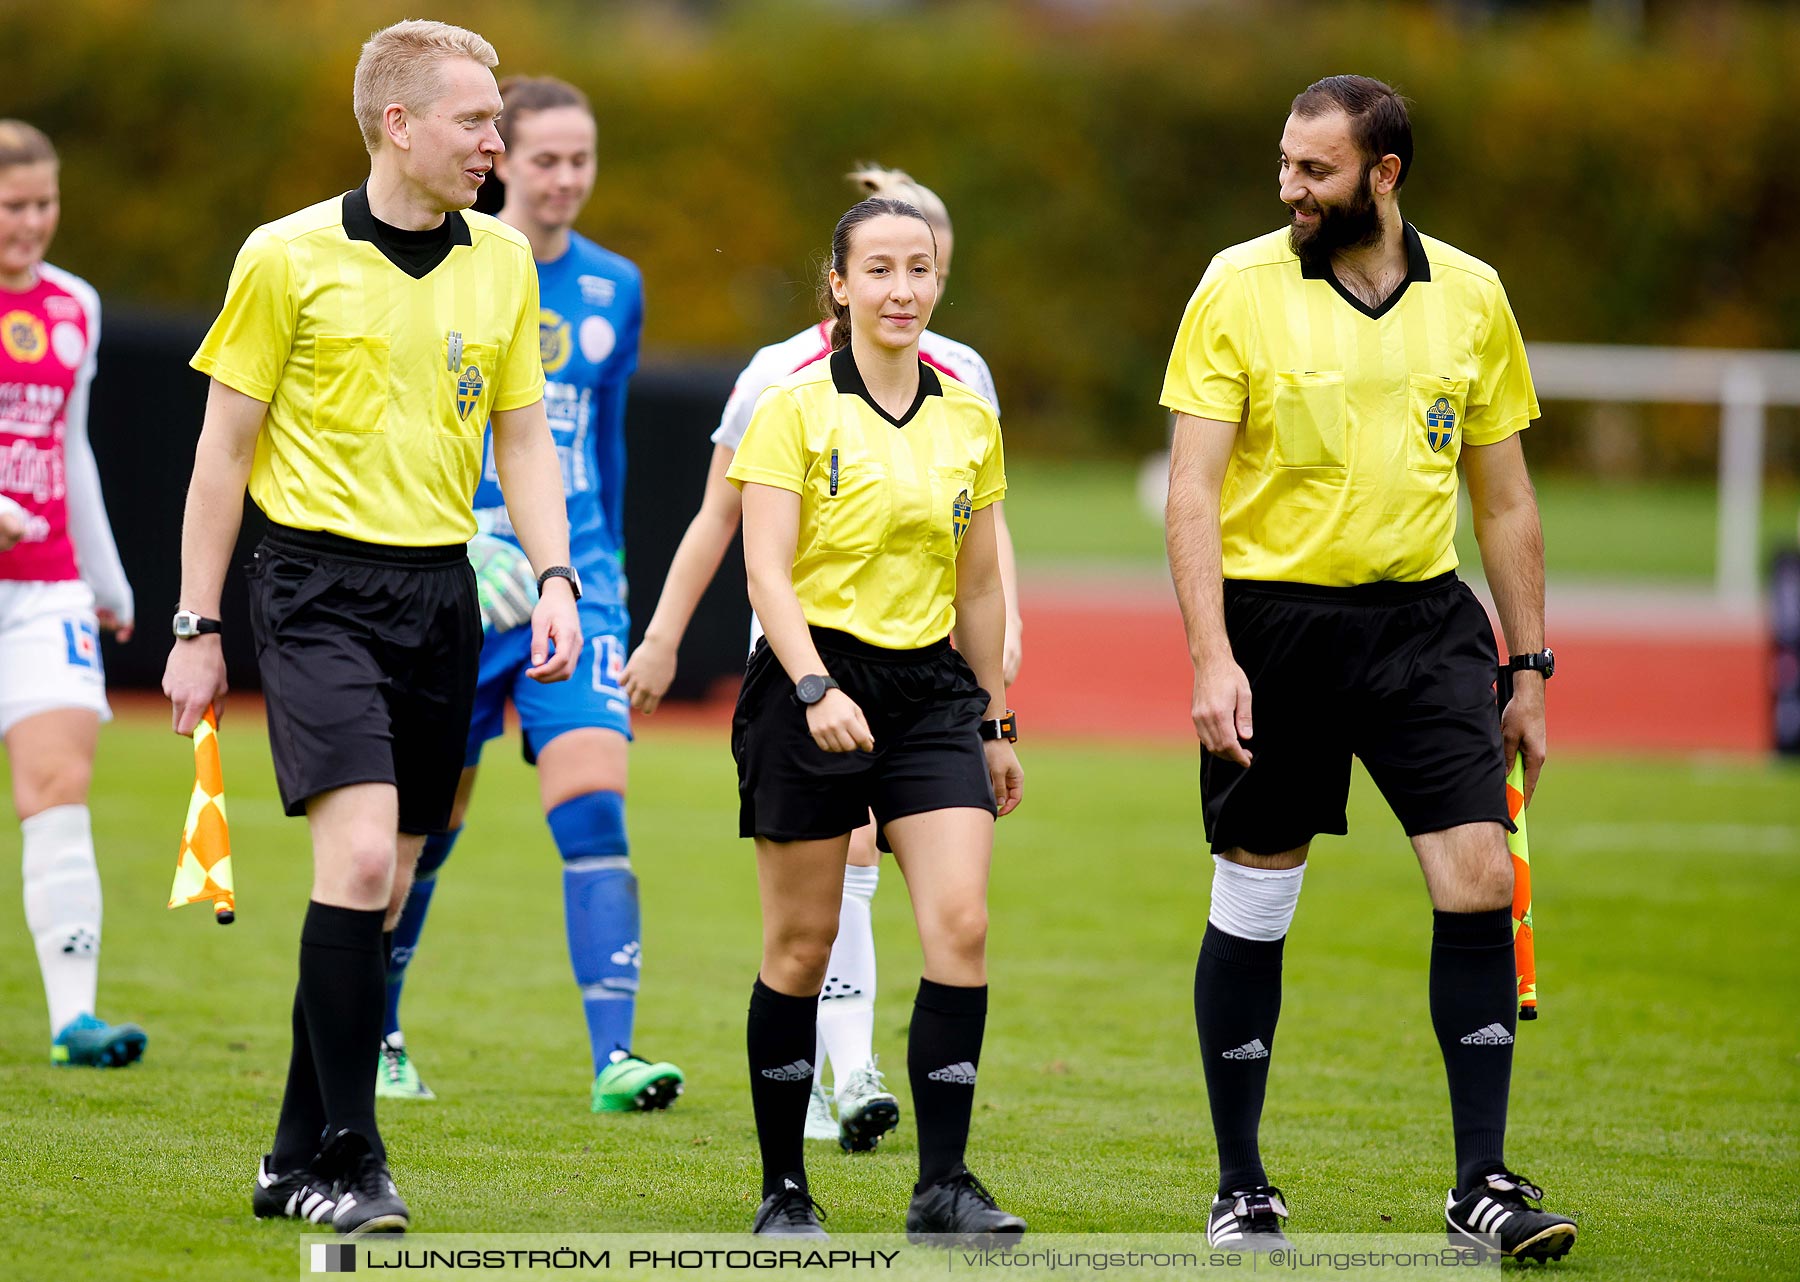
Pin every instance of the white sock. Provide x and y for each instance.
(847, 1004)
(62, 908)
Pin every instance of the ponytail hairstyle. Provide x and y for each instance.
(522, 96)
(897, 184)
(854, 217)
(23, 144)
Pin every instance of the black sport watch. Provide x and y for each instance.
(1006, 727)
(1543, 663)
(188, 625)
(561, 572)
(809, 690)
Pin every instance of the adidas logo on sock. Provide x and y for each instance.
(798, 1071)
(1492, 1035)
(1252, 1049)
(962, 1074)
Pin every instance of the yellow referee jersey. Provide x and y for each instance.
(379, 382)
(884, 502)
(1351, 417)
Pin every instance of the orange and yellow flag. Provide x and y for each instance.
(203, 868)
(1524, 941)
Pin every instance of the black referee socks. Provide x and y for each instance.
(302, 1121)
(781, 1035)
(942, 1053)
(343, 989)
(1237, 1000)
(1475, 1011)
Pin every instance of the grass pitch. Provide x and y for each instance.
(1658, 1099)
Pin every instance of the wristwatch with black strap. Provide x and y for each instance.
(809, 690)
(1543, 662)
(565, 572)
(1006, 728)
(187, 625)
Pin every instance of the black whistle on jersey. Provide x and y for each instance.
(834, 474)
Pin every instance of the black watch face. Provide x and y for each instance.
(810, 690)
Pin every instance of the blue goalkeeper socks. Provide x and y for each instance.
(600, 906)
(407, 930)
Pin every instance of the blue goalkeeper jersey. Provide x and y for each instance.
(591, 317)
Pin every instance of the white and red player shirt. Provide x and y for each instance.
(48, 337)
(778, 360)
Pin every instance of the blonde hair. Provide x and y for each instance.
(897, 184)
(23, 144)
(400, 64)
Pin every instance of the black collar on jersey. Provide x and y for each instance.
(849, 380)
(416, 253)
(1418, 268)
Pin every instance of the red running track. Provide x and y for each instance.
(1112, 663)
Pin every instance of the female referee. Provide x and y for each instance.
(868, 487)
(865, 1108)
(60, 583)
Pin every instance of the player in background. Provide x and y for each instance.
(60, 583)
(865, 1108)
(576, 732)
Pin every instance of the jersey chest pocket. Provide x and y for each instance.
(952, 508)
(470, 388)
(855, 504)
(1435, 408)
(351, 380)
(1309, 418)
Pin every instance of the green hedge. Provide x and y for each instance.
(1627, 191)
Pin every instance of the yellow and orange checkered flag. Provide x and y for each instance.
(1519, 846)
(203, 868)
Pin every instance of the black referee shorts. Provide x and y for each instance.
(368, 657)
(923, 709)
(1399, 674)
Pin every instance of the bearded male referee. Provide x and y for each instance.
(1327, 378)
(363, 344)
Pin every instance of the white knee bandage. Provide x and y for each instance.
(1254, 903)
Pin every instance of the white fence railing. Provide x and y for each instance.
(1743, 384)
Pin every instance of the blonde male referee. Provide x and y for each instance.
(1327, 379)
(362, 348)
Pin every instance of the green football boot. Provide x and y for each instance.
(395, 1076)
(630, 1084)
(86, 1042)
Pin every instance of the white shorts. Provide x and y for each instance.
(49, 651)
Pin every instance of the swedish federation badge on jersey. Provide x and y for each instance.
(1440, 424)
(468, 390)
(960, 512)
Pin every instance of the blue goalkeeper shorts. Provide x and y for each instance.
(589, 698)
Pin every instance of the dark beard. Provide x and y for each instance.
(1348, 226)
